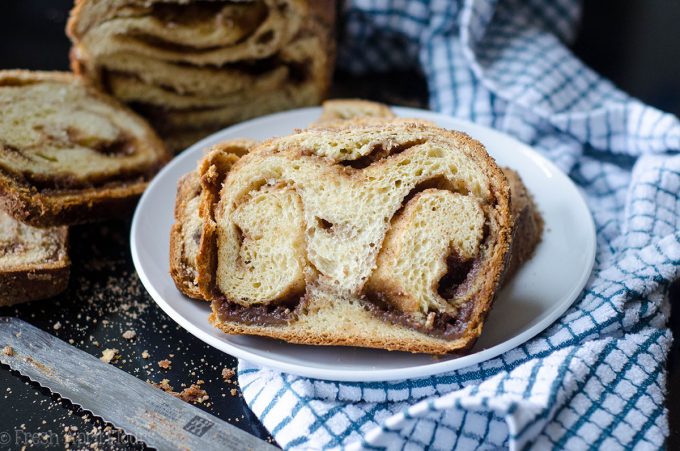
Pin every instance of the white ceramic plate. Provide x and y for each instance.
(542, 290)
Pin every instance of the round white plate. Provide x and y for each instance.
(540, 292)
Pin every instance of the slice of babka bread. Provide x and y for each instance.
(68, 153)
(34, 262)
(196, 196)
(193, 67)
(409, 301)
(386, 234)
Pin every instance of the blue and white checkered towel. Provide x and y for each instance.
(595, 378)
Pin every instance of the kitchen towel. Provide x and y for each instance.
(595, 378)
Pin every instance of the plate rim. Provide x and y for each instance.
(357, 375)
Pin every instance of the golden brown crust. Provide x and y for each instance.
(38, 209)
(57, 206)
(420, 345)
(30, 282)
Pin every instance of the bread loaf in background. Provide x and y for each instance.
(193, 67)
(69, 153)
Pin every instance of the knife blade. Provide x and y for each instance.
(141, 410)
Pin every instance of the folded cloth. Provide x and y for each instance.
(596, 377)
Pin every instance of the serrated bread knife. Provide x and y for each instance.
(150, 415)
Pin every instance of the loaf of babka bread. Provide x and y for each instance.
(192, 67)
(68, 153)
(384, 234)
(34, 262)
(388, 309)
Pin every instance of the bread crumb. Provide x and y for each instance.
(145, 354)
(233, 392)
(193, 394)
(165, 364)
(129, 334)
(227, 374)
(165, 386)
(57, 326)
(8, 351)
(108, 355)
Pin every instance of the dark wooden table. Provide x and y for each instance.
(635, 43)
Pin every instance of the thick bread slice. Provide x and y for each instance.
(187, 233)
(318, 318)
(348, 186)
(34, 262)
(70, 154)
(195, 66)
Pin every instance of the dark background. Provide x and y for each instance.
(634, 43)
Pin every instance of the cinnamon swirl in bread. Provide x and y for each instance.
(69, 153)
(193, 67)
(528, 223)
(34, 263)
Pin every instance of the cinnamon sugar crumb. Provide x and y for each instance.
(165, 364)
(165, 386)
(129, 334)
(193, 394)
(108, 355)
(233, 392)
(145, 354)
(227, 374)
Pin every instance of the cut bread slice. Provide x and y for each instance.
(401, 306)
(34, 262)
(70, 154)
(195, 66)
(194, 203)
(344, 189)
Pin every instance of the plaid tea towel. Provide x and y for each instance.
(595, 378)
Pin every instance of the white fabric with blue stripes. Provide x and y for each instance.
(595, 378)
